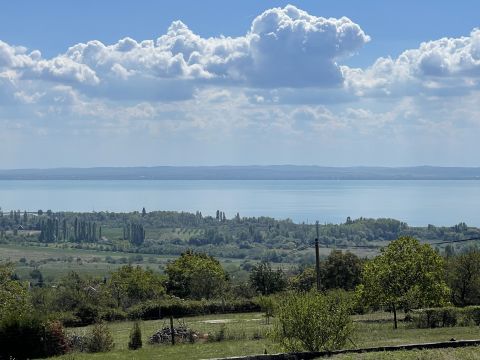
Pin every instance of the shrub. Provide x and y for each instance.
(180, 308)
(219, 335)
(313, 321)
(100, 339)
(267, 304)
(56, 339)
(135, 337)
(30, 337)
(87, 314)
(67, 318)
(110, 314)
(446, 317)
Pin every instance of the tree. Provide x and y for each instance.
(37, 275)
(464, 277)
(195, 275)
(341, 271)
(130, 285)
(405, 275)
(313, 321)
(135, 341)
(144, 212)
(267, 281)
(14, 297)
(304, 281)
(136, 234)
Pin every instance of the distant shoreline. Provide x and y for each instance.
(267, 172)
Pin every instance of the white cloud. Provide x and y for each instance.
(285, 47)
(291, 48)
(447, 66)
(279, 89)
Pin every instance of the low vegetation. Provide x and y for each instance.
(406, 279)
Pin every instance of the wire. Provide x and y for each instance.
(373, 247)
(454, 241)
(301, 248)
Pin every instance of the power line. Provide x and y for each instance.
(454, 241)
(374, 247)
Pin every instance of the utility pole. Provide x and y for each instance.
(317, 259)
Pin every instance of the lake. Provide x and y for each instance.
(417, 202)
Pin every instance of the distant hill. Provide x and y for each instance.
(269, 172)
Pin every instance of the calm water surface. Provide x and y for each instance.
(416, 202)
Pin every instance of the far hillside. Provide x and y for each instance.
(266, 172)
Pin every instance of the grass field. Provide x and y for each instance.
(242, 329)
(55, 261)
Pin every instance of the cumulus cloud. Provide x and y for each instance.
(285, 47)
(292, 48)
(447, 66)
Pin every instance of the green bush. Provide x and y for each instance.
(110, 314)
(135, 341)
(29, 337)
(99, 339)
(313, 321)
(67, 318)
(56, 342)
(267, 304)
(446, 317)
(87, 314)
(180, 308)
(472, 313)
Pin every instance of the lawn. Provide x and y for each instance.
(241, 330)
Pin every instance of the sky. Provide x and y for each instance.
(336, 83)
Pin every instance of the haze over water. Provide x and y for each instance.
(438, 202)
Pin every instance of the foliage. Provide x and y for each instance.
(267, 304)
(267, 281)
(168, 232)
(341, 271)
(446, 317)
(196, 276)
(82, 297)
(405, 275)
(135, 341)
(306, 280)
(338, 271)
(14, 297)
(131, 285)
(463, 277)
(99, 339)
(181, 308)
(55, 339)
(23, 337)
(313, 321)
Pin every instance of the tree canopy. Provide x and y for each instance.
(132, 284)
(405, 275)
(266, 280)
(464, 277)
(196, 276)
(14, 297)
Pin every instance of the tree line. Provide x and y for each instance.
(167, 232)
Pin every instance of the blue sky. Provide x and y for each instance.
(94, 83)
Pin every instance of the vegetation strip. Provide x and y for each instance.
(317, 354)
